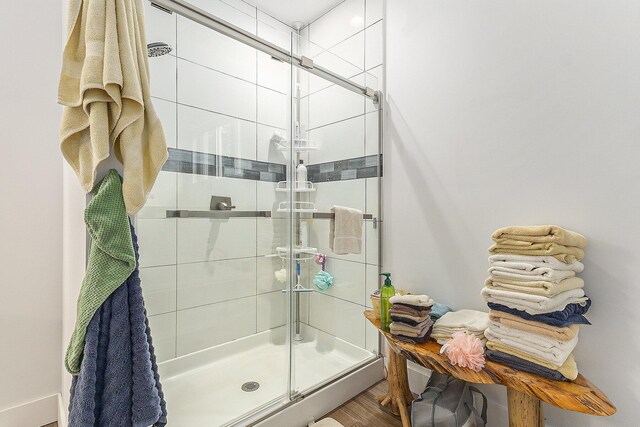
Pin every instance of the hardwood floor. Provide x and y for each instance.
(364, 411)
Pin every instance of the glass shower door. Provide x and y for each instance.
(335, 136)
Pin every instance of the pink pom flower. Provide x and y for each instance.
(465, 350)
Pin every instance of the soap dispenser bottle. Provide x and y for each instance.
(386, 292)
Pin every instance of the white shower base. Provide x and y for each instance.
(204, 388)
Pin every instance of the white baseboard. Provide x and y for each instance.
(62, 412)
(33, 414)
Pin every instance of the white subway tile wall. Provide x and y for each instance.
(200, 276)
(207, 281)
(208, 132)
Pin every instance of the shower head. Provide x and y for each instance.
(158, 49)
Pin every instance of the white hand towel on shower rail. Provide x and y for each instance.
(345, 231)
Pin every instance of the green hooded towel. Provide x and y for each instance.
(111, 259)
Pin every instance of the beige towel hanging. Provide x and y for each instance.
(104, 88)
(345, 231)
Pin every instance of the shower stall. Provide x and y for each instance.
(229, 237)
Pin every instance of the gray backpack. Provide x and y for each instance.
(447, 402)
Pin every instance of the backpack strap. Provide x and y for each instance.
(483, 416)
(438, 390)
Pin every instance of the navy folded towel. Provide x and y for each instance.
(524, 365)
(572, 314)
(118, 384)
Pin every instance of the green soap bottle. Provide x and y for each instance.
(386, 292)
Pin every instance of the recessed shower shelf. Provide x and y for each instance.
(299, 207)
(299, 145)
(301, 187)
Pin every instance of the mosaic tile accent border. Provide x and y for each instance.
(342, 170)
(194, 162)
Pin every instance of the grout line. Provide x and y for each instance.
(271, 16)
(342, 299)
(197, 262)
(215, 303)
(337, 121)
(322, 15)
(231, 75)
(226, 115)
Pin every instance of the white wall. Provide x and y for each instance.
(502, 113)
(31, 194)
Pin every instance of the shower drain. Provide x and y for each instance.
(250, 386)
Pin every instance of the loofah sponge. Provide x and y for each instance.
(465, 350)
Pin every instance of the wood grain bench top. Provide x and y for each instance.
(578, 395)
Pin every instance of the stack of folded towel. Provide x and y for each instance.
(469, 321)
(536, 300)
(410, 317)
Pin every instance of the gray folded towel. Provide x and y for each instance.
(399, 328)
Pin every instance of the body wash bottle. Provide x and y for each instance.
(301, 175)
(386, 292)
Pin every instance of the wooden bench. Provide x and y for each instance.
(524, 390)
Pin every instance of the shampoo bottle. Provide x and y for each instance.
(386, 292)
(301, 175)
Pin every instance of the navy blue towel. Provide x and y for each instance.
(572, 314)
(524, 365)
(118, 384)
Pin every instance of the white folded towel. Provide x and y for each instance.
(518, 271)
(345, 231)
(416, 300)
(534, 304)
(553, 351)
(443, 341)
(531, 261)
(469, 320)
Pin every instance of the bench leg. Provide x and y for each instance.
(524, 410)
(399, 395)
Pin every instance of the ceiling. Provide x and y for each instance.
(292, 11)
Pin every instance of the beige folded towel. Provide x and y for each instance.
(541, 287)
(345, 231)
(565, 333)
(399, 328)
(540, 234)
(567, 254)
(104, 88)
(569, 368)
